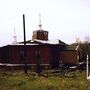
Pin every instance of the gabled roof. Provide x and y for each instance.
(38, 42)
(54, 42)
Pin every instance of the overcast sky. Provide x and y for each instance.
(63, 19)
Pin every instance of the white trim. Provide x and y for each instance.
(23, 44)
(77, 47)
(48, 41)
(87, 69)
(6, 64)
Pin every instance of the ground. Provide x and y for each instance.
(48, 81)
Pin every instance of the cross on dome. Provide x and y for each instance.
(40, 24)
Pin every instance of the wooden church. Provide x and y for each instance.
(50, 52)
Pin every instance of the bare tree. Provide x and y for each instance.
(87, 39)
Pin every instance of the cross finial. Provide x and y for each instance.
(40, 24)
(39, 17)
(14, 32)
(15, 37)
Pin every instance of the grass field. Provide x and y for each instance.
(20, 81)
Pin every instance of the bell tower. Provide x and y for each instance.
(40, 34)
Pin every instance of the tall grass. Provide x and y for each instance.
(9, 81)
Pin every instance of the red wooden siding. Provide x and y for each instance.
(69, 57)
(48, 54)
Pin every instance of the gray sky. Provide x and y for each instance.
(64, 19)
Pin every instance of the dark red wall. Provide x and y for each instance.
(49, 54)
(16, 54)
(68, 57)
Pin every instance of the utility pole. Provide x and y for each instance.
(25, 62)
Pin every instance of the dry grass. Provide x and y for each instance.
(20, 81)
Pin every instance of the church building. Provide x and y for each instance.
(49, 52)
